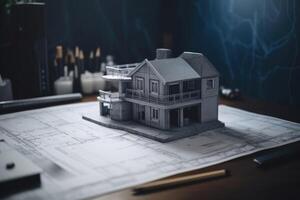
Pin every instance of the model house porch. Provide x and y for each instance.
(178, 105)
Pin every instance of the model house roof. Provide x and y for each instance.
(188, 65)
(174, 69)
(200, 64)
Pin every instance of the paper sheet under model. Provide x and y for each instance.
(81, 159)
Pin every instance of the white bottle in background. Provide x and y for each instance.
(99, 81)
(64, 85)
(87, 82)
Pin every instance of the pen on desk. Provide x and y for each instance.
(276, 156)
(171, 182)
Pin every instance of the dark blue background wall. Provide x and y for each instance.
(128, 29)
(254, 43)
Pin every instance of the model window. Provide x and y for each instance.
(210, 84)
(139, 83)
(191, 85)
(154, 114)
(154, 86)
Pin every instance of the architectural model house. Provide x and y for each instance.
(163, 99)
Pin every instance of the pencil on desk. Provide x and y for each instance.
(169, 182)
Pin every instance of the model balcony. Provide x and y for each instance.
(119, 72)
(164, 99)
(108, 97)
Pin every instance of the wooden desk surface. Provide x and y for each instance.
(246, 180)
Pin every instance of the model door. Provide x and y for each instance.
(174, 118)
(141, 113)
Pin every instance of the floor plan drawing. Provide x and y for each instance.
(80, 159)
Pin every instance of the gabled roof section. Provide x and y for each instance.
(169, 70)
(174, 69)
(187, 66)
(156, 72)
(137, 68)
(146, 62)
(200, 64)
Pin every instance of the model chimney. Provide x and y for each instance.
(163, 53)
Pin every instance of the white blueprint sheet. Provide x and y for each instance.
(81, 159)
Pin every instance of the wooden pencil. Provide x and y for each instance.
(170, 182)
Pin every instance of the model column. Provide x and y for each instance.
(121, 94)
(181, 117)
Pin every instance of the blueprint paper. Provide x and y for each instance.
(81, 159)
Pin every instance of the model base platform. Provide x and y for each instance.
(150, 132)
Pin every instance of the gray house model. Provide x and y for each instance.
(163, 99)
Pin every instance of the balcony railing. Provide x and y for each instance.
(108, 96)
(120, 70)
(163, 99)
